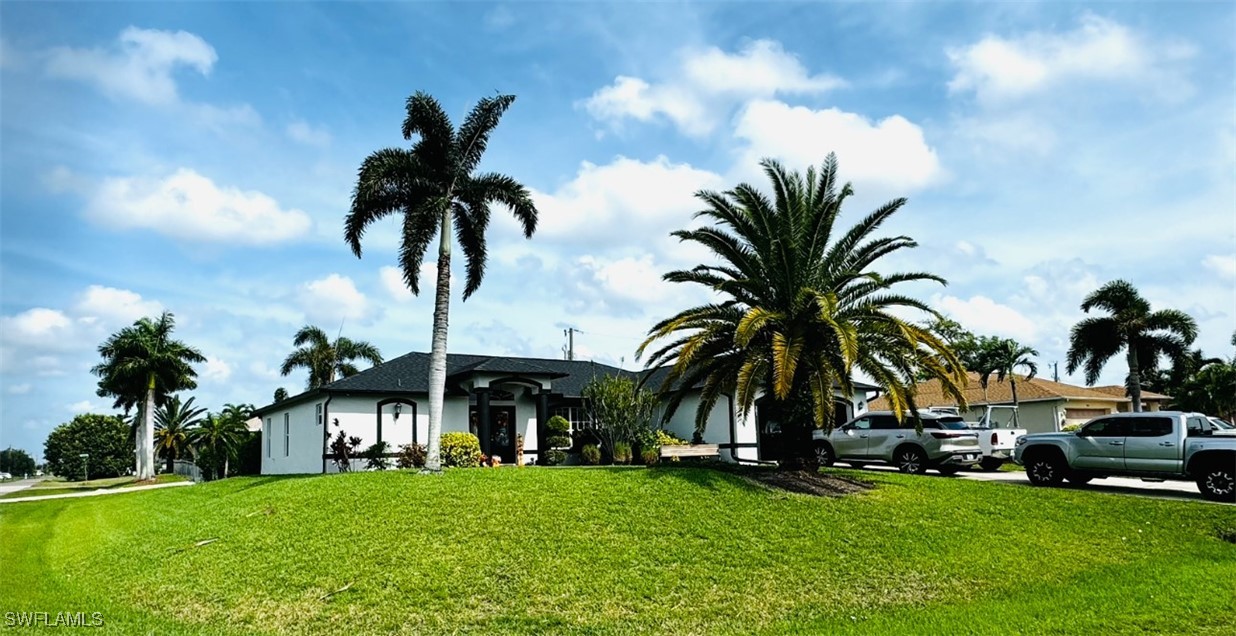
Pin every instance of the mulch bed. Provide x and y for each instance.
(797, 481)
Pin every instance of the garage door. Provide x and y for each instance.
(1084, 414)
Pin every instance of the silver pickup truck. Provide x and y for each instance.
(1154, 445)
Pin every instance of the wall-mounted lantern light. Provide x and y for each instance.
(397, 409)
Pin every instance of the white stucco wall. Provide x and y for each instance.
(303, 452)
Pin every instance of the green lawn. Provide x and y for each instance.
(673, 550)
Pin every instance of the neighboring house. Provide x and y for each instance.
(494, 397)
(1044, 406)
(1151, 401)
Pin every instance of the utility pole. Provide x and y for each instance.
(569, 349)
(1055, 372)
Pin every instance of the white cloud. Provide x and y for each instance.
(216, 370)
(305, 133)
(983, 315)
(705, 84)
(191, 207)
(138, 66)
(626, 202)
(115, 306)
(1222, 264)
(20, 389)
(890, 154)
(392, 280)
(331, 300)
(38, 325)
(999, 69)
(633, 279)
(84, 406)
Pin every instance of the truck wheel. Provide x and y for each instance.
(824, 454)
(1218, 483)
(911, 460)
(991, 463)
(1045, 470)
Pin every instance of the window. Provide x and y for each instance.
(1106, 427)
(576, 415)
(319, 420)
(861, 424)
(267, 434)
(1197, 426)
(287, 433)
(1150, 426)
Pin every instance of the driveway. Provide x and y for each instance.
(1178, 490)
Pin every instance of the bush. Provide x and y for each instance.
(461, 450)
(375, 456)
(651, 456)
(665, 439)
(558, 432)
(554, 458)
(344, 449)
(622, 453)
(1071, 427)
(411, 456)
(591, 454)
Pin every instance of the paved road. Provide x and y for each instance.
(20, 484)
(1180, 490)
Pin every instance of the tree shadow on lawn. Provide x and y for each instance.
(761, 479)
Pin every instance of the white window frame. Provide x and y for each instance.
(319, 414)
(287, 434)
(269, 431)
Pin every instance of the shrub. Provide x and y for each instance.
(344, 449)
(618, 408)
(1071, 427)
(461, 450)
(591, 454)
(411, 456)
(651, 456)
(554, 458)
(622, 453)
(558, 432)
(375, 456)
(665, 439)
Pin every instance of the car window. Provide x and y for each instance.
(861, 424)
(953, 423)
(1219, 425)
(1106, 427)
(1196, 426)
(883, 422)
(1149, 426)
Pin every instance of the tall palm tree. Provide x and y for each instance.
(434, 187)
(143, 364)
(174, 422)
(1003, 360)
(1130, 326)
(326, 360)
(218, 437)
(800, 308)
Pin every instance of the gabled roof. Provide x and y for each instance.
(409, 373)
(930, 393)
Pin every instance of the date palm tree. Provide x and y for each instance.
(326, 360)
(218, 437)
(799, 308)
(174, 422)
(1003, 359)
(142, 365)
(435, 188)
(1130, 326)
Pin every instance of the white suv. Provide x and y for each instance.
(946, 444)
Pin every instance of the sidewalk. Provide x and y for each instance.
(92, 493)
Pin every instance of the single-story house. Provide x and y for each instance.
(494, 397)
(1043, 405)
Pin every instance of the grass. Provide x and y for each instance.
(672, 550)
(59, 486)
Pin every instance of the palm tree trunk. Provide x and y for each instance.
(145, 465)
(171, 462)
(437, 352)
(1013, 387)
(1134, 382)
(225, 461)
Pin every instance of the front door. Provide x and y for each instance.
(771, 439)
(1101, 444)
(502, 432)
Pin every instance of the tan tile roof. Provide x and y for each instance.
(929, 393)
(1118, 391)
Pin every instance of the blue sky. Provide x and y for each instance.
(199, 158)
